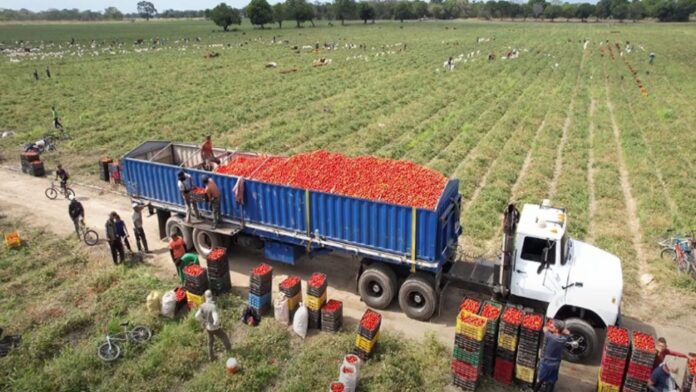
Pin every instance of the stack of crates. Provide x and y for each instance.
(32, 164)
(528, 348)
(689, 384)
(332, 316)
(219, 271)
(640, 362)
(291, 287)
(614, 358)
(490, 310)
(508, 334)
(470, 330)
(195, 283)
(316, 297)
(260, 287)
(368, 334)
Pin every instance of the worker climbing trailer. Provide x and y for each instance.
(413, 243)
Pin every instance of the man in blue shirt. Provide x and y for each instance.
(661, 379)
(556, 338)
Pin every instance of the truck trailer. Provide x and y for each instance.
(404, 252)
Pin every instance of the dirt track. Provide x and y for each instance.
(22, 196)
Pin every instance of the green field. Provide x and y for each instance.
(559, 122)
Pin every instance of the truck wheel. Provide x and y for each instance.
(205, 241)
(582, 342)
(175, 225)
(377, 286)
(417, 297)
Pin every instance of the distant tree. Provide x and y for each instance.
(146, 10)
(366, 11)
(537, 10)
(207, 13)
(259, 12)
(403, 10)
(436, 10)
(553, 11)
(452, 9)
(568, 11)
(279, 14)
(584, 11)
(224, 16)
(636, 10)
(420, 9)
(603, 9)
(619, 10)
(344, 9)
(300, 11)
(113, 13)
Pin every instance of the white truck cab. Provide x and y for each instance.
(573, 280)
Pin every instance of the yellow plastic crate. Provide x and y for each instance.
(194, 300)
(315, 303)
(507, 342)
(524, 373)
(294, 302)
(364, 344)
(468, 330)
(604, 387)
(12, 240)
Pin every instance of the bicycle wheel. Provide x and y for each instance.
(668, 253)
(109, 352)
(51, 193)
(69, 192)
(91, 237)
(141, 334)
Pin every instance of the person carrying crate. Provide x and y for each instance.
(185, 185)
(213, 193)
(177, 249)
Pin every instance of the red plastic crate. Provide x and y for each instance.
(504, 371)
(464, 370)
(639, 372)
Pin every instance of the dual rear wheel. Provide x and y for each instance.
(378, 285)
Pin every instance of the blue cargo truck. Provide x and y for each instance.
(406, 253)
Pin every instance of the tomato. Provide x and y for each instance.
(692, 366)
(317, 280)
(332, 305)
(337, 387)
(391, 181)
(469, 318)
(532, 321)
(512, 316)
(470, 305)
(490, 312)
(370, 320)
(262, 269)
(289, 282)
(643, 342)
(617, 335)
(193, 270)
(216, 254)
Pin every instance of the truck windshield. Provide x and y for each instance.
(566, 249)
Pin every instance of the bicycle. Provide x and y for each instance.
(110, 350)
(89, 236)
(670, 241)
(53, 191)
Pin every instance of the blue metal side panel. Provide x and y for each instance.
(275, 205)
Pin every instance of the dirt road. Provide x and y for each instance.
(23, 196)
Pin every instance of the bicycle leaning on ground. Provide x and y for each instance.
(110, 350)
(670, 241)
(89, 236)
(685, 258)
(53, 191)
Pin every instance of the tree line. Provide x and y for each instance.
(261, 13)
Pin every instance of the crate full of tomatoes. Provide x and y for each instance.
(614, 357)
(198, 195)
(261, 280)
(640, 362)
(368, 334)
(528, 347)
(195, 279)
(491, 311)
(508, 335)
(332, 316)
(690, 381)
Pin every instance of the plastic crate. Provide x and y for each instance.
(524, 373)
(467, 343)
(607, 387)
(469, 330)
(465, 370)
(259, 302)
(507, 342)
(473, 358)
(193, 300)
(294, 302)
(315, 303)
(290, 286)
(13, 240)
(464, 384)
(639, 372)
(366, 345)
(503, 371)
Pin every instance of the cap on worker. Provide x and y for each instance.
(205, 178)
(135, 204)
(559, 325)
(71, 197)
(208, 295)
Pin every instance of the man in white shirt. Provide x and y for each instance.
(209, 318)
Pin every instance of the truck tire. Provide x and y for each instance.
(377, 286)
(417, 297)
(175, 225)
(204, 241)
(583, 340)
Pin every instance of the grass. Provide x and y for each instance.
(63, 323)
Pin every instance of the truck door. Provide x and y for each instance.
(528, 280)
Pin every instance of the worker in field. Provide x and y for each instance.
(652, 58)
(122, 232)
(207, 155)
(56, 118)
(138, 230)
(36, 75)
(209, 318)
(177, 249)
(63, 176)
(115, 244)
(556, 336)
(48, 72)
(213, 194)
(185, 185)
(76, 212)
(662, 351)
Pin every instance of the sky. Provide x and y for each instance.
(123, 5)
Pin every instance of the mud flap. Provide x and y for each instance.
(162, 218)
